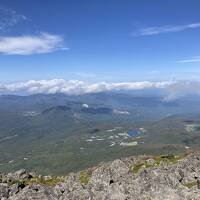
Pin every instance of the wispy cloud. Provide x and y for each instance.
(192, 60)
(9, 18)
(156, 30)
(181, 88)
(31, 44)
(154, 72)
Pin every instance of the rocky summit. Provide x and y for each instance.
(164, 177)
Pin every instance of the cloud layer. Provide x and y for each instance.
(27, 45)
(165, 29)
(76, 87)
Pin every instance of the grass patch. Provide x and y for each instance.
(42, 181)
(84, 177)
(137, 167)
(158, 159)
(170, 158)
(190, 184)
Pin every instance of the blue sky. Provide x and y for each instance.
(99, 40)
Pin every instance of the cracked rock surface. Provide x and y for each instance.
(166, 177)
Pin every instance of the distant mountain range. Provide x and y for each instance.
(58, 133)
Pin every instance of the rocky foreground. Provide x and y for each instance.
(141, 178)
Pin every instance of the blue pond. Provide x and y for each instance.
(133, 133)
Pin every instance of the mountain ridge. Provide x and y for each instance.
(133, 178)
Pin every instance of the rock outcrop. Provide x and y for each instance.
(165, 177)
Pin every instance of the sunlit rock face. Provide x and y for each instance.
(143, 177)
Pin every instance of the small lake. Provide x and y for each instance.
(133, 133)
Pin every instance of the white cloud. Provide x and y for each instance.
(76, 86)
(26, 45)
(172, 89)
(85, 105)
(165, 29)
(122, 112)
(192, 60)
